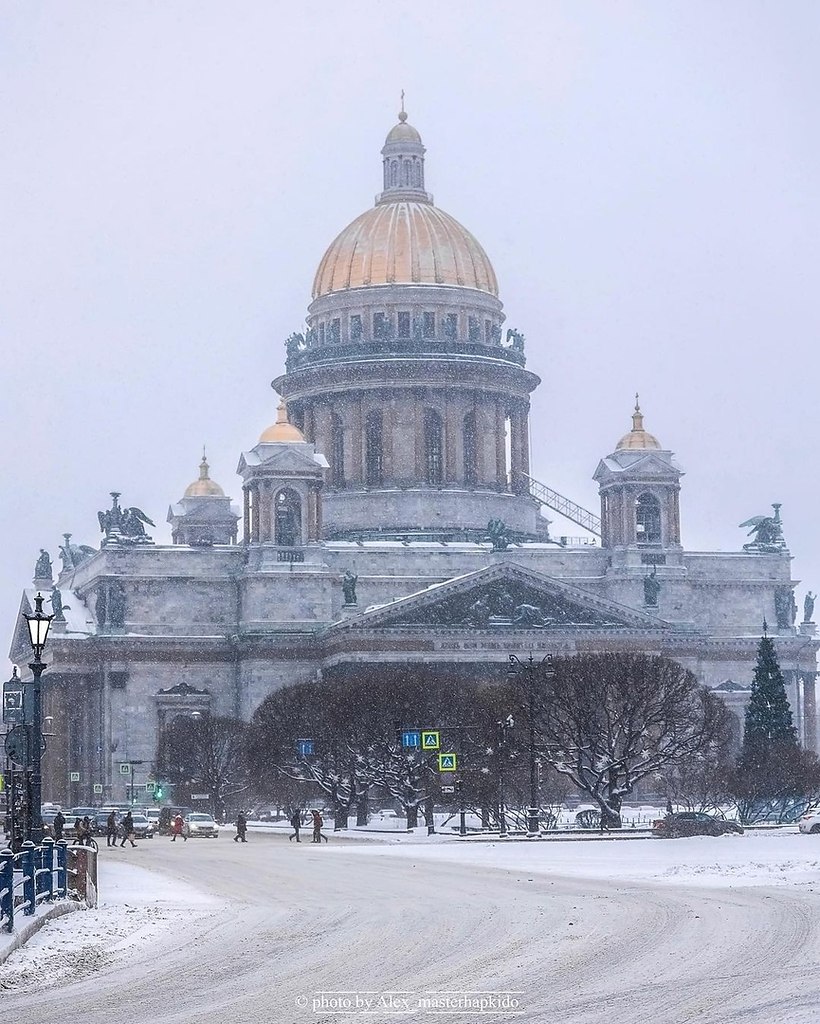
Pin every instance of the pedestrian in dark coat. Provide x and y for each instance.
(128, 829)
(59, 825)
(82, 831)
(241, 828)
(111, 829)
(296, 824)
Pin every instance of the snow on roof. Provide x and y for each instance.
(78, 617)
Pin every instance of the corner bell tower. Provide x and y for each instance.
(639, 485)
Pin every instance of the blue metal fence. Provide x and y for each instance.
(35, 875)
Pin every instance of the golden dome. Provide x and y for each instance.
(404, 242)
(204, 487)
(281, 430)
(638, 438)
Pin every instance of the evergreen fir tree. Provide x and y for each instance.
(768, 730)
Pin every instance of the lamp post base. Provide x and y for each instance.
(533, 824)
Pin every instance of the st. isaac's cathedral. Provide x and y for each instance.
(388, 519)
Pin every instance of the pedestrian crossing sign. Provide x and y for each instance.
(98, 788)
(73, 776)
(447, 762)
(125, 768)
(430, 739)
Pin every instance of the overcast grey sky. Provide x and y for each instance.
(643, 176)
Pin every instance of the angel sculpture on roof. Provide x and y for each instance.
(767, 532)
(124, 524)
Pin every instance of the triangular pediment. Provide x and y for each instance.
(637, 464)
(280, 458)
(502, 597)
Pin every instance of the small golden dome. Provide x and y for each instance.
(404, 242)
(638, 438)
(204, 487)
(282, 430)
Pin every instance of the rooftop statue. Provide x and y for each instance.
(498, 534)
(651, 589)
(73, 555)
(767, 532)
(42, 569)
(808, 606)
(349, 586)
(515, 339)
(123, 524)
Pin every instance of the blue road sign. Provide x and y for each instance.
(411, 738)
(304, 748)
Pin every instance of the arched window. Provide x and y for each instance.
(406, 174)
(287, 518)
(373, 448)
(394, 173)
(337, 451)
(648, 519)
(470, 450)
(433, 447)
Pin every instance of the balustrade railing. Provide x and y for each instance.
(43, 874)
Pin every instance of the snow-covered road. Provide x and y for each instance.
(274, 925)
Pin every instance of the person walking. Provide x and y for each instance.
(82, 832)
(128, 829)
(176, 829)
(59, 825)
(296, 824)
(111, 829)
(241, 828)
(317, 827)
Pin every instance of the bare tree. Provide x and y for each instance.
(209, 753)
(607, 721)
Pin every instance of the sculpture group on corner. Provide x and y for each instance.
(124, 525)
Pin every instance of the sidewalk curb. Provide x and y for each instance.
(21, 935)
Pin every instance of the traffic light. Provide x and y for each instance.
(159, 790)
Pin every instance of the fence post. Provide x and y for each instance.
(48, 864)
(7, 889)
(62, 874)
(27, 864)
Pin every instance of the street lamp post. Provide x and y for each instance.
(530, 666)
(502, 727)
(38, 627)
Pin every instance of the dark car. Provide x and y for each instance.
(694, 823)
(167, 815)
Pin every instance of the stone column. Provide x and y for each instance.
(357, 442)
(421, 454)
(265, 520)
(453, 442)
(246, 522)
(255, 512)
(403, 441)
(517, 481)
(809, 712)
(485, 442)
(500, 447)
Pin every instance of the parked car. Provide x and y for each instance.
(694, 823)
(810, 823)
(199, 825)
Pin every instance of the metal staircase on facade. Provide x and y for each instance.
(564, 507)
